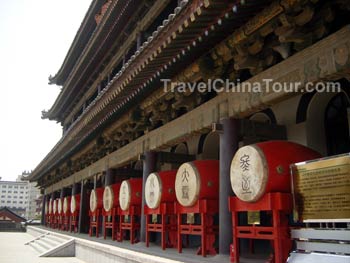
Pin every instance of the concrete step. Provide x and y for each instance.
(51, 242)
(36, 247)
(57, 239)
(42, 243)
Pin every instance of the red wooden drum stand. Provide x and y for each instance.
(130, 199)
(279, 205)
(96, 204)
(66, 213)
(110, 210)
(167, 224)
(160, 201)
(50, 213)
(47, 217)
(206, 229)
(133, 224)
(55, 214)
(197, 192)
(74, 213)
(60, 213)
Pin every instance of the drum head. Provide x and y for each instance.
(108, 198)
(65, 205)
(187, 184)
(153, 191)
(50, 206)
(249, 173)
(59, 205)
(125, 195)
(93, 200)
(73, 203)
(54, 206)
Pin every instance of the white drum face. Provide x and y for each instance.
(187, 184)
(93, 200)
(59, 205)
(124, 195)
(46, 208)
(50, 206)
(73, 204)
(65, 205)
(249, 173)
(108, 198)
(153, 191)
(54, 206)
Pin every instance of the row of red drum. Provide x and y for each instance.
(63, 206)
(255, 170)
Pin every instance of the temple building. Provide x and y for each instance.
(188, 113)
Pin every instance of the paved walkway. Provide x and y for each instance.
(13, 250)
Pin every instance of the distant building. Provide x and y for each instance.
(9, 220)
(20, 196)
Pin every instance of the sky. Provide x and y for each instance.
(35, 36)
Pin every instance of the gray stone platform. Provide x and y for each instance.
(97, 250)
(14, 250)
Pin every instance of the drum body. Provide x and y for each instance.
(264, 168)
(130, 193)
(96, 199)
(66, 205)
(197, 180)
(111, 197)
(160, 188)
(75, 203)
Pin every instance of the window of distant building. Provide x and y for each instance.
(15, 202)
(9, 192)
(16, 186)
(22, 187)
(20, 202)
(21, 197)
(2, 201)
(3, 191)
(8, 202)
(10, 186)
(15, 192)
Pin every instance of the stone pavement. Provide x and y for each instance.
(13, 250)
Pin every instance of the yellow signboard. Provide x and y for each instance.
(321, 190)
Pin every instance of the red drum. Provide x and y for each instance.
(96, 199)
(264, 168)
(47, 208)
(50, 206)
(60, 206)
(66, 205)
(75, 203)
(111, 197)
(197, 180)
(54, 206)
(130, 193)
(159, 188)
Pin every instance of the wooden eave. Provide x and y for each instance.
(139, 77)
(101, 39)
(85, 30)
